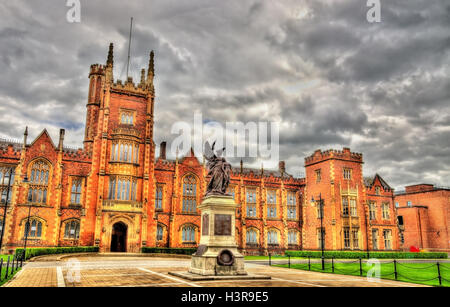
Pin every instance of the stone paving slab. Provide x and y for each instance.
(196, 277)
(154, 272)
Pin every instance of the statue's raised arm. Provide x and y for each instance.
(219, 170)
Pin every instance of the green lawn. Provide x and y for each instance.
(274, 257)
(3, 271)
(420, 273)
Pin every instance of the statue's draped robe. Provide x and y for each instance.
(219, 170)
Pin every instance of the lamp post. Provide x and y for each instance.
(10, 174)
(367, 216)
(27, 225)
(322, 233)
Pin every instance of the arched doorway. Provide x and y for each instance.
(119, 237)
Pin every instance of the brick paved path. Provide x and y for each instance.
(152, 272)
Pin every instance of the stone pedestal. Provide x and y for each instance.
(217, 253)
(217, 256)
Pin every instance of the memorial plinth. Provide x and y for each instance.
(217, 256)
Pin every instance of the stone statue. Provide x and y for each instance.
(219, 170)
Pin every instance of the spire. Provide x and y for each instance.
(151, 67)
(143, 76)
(110, 60)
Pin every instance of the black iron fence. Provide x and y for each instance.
(10, 266)
(401, 270)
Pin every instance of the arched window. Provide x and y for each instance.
(158, 197)
(252, 236)
(37, 192)
(72, 230)
(188, 234)
(189, 194)
(75, 197)
(292, 237)
(5, 174)
(272, 237)
(159, 233)
(122, 188)
(35, 231)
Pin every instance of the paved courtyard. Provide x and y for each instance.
(153, 272)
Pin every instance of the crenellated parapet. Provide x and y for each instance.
(97, 69)
(130, 87)
(345, 154)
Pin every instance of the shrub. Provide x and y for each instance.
(169, 250)
(33, 252)
(361, 254)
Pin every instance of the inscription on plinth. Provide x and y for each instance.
(222, 224)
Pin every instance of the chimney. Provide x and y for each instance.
(25, 136)
(61, 139)
(282, 167)
(162, 150)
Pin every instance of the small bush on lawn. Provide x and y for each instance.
(357, 255)
(33, 252)
(168, 250)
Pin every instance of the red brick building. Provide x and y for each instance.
(116, 194)
(424, 217)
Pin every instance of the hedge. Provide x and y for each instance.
(357, 255)
(168, 250)
(33, 252)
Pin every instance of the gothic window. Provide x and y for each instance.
(272, 237)
(372, 211)
(271, 204)
(188, 234)
(35, 231)
(127, 117)
(377, 190)
(251, 236)
(318, 176)
(251, 196)
(386, 215)
(347, 173)
(159, 233)
(72, 230)
(346, 237)
(158, 197)
(387, 234)
(375, 239)
(5, 173)
(353, 209)
(292, 237)
(319, 205)
(189, 194)
(291, 206)
(344, 206)
(122, 188)
(75, 197)
(355, 238)
(37, 192)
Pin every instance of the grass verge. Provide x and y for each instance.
(419, 273)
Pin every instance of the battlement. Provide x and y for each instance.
(97, 69)
(344, 154)
(130, 86)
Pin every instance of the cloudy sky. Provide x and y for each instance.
(317, 66)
